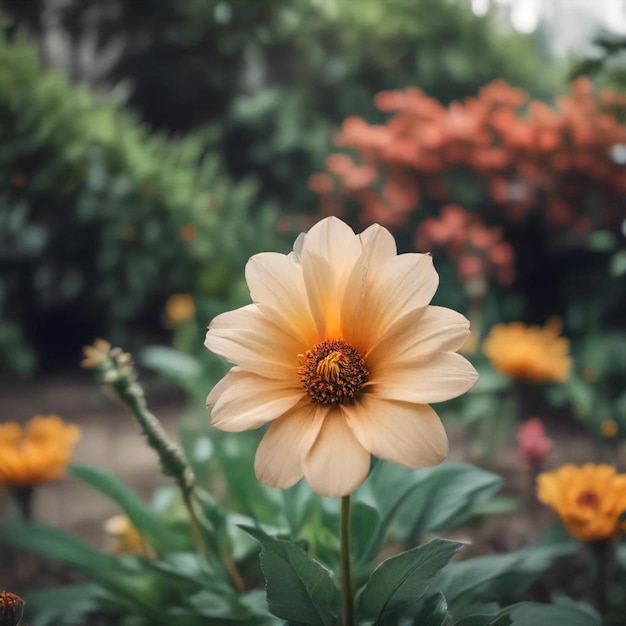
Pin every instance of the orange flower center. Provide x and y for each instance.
(332, 372)
(589, 500)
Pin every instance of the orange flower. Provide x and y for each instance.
(590, 500)
(37, 454)
(529, 352)
(179, 308)
(342, 354)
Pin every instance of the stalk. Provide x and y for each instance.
(346, 577)
(601, 550)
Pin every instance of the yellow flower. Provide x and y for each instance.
(127, 539)
(609, 428)
(342, 354)
(529, 352)
(179, 308)
(37, 454)
(590, 500)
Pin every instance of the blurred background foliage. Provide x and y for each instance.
(151, 147)
(106, 211)
(275, 78)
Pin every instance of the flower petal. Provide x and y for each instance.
(445, 376)
(379, 243)
(277, 287)
(419, 335)
(333, 240)
(243, 401)
(279, 457)
(247, 338)
(403, 284)
(337, 463)
(408, 434)
(329, 276)
(323, 294)
(379, 247)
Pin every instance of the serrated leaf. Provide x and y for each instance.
(146, 522)
(298, 588)
(400, 581)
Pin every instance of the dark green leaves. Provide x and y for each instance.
(298, 589)
(146, 521)
(61, 546)
(62, 605)
(534, 614)
(401, 581)
(475, 583)
(432, 499)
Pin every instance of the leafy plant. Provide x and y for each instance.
(102, 220)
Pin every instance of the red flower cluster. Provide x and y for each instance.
(477, 250)
(562, 164)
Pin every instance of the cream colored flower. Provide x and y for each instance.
(342, 354)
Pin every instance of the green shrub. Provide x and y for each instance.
(100, 221)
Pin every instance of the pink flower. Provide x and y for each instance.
(533, 444)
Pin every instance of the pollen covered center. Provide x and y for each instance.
(332, 372)
(588, 500)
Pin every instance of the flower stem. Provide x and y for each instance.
(24, 498)
(601, 550)
(346, 579)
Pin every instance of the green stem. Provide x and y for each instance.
(24, 498)
(346, 579)
(601, 550)
(196, 529)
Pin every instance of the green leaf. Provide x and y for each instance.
(433, 612)
(179, 367)
(473, 583)
(298, 588)
(484, 620)
(60, 546)
(366, 532)
(531, 614)
(435, 498)
(400, 581)
(147, 523)
(61, 605)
